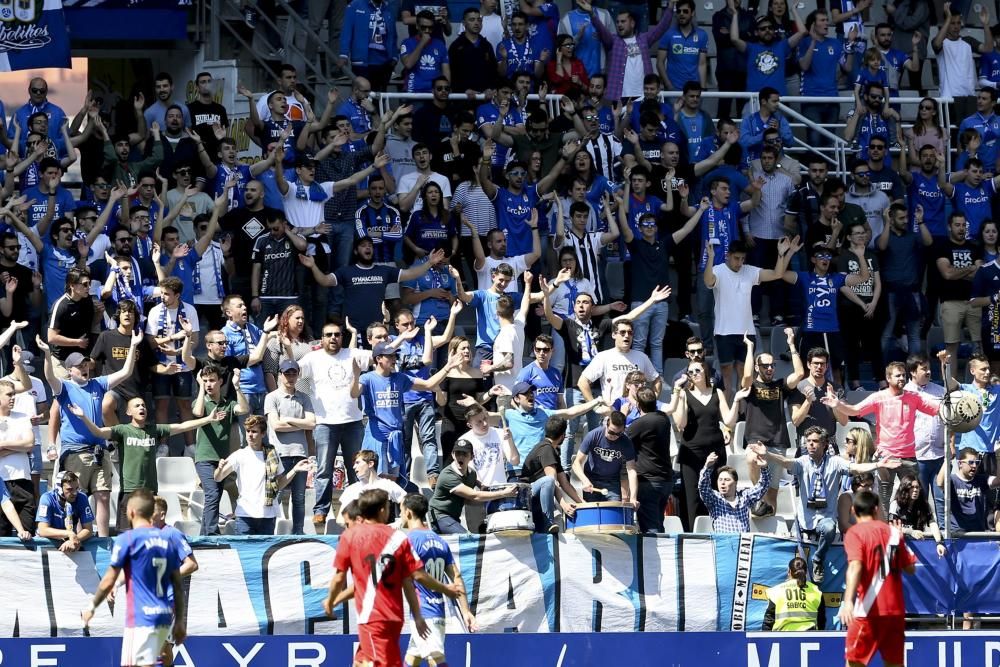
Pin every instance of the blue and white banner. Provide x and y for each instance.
(33, 35)
(275, 586)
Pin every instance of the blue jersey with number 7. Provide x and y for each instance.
(148, 559)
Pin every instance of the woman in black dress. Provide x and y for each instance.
(461, 388)
(697, 407)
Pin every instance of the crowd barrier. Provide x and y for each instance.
(540, 584)
(651, 649)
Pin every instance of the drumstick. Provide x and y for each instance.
(603, 492)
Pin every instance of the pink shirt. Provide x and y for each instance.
(895, 417)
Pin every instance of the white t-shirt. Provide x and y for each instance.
(492, 30)
(634, 71)
(210, 266)
(295, 110)
(170, 325)
(488, 457)
(484, 276)
(409, 181)
(510, 340)
(956, 68)
(733, 312)
(26, 403)
(249, 467)
(353, 491)
(611, 366)
(331, 375)
(304, 213)
(564, 298)
(15, 465)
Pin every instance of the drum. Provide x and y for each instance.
(511, 515)
(603, 517)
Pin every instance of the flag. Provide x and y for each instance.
(33, 35)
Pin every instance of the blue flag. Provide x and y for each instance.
(33, 35)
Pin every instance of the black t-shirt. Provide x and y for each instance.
(456, 167)
(847, 262)
(229, 364)
(658, 188)
(364, 291)
(110, 352)
(431, 124)
(650, 435)
(19, 307)
(279, 264)
(72, 319)
(650, 264)
(203, 116)
(819, 414)
(961, 256)
(541, 457)
(245, 226)
(576, 338)
(766, 413)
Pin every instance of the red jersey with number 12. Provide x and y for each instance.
(379, 559)
(883, 555)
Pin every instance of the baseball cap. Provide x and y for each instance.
(288, 365)
(462, 446)
(74, 359)
(304, 159)
(522, 388)
(384, 350)
(28, 360)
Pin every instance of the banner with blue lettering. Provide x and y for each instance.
(152, 20)
(260, 586)
(33, 35)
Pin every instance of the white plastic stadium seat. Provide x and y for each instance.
(768, 525)
(189, 528)
(702, 524)
(786, 502)
(177, 474)
(739, 433)
(672, 524)
(283, 527)
(739, 463)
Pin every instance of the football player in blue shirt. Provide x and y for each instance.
(188, 563)
(154, 587)
(440, 564)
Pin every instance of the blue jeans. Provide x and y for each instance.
(297, 487)
(329, 439)
(906, 307)
(823, 114)
(443, 524)
(653, 496)
(341, 244)
(543, 502)
(213, 492)
(928, 471)
(651, 327)
(592, 419)
(826, 533)
(421, 415)
(248, 525)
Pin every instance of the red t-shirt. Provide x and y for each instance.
(379, 559)
(882, 562)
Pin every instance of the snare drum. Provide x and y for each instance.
(512, 514)
(603, 517)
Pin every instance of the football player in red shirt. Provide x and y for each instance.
(873, 610)
(383, 567)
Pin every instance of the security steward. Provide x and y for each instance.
(795, 605)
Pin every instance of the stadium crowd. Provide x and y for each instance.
(513, 290)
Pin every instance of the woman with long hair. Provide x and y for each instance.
(697, 407)
(988, 240)
(582, 168)
(566, 72)
(628, 402)
(462, 387)
(293, 342)
(432, 225)
(809, 611)
(858, 446)
(911, 512)
(926, 130)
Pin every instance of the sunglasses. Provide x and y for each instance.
(517, 172)
(543, 350)
(699, 351)
(824, 255)
(696, 371)
(762, 365)
(613, 434)
(332, 334)
(876, 147)
(862, 174)
(38, 91)
(850, 440)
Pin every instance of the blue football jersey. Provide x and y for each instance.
(436, 555)
(148, 558)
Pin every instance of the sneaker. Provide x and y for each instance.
(817, 572)
(553, 529)
(250, 16)
(777, 321)
(688, 320)
(162, 450)
(762, 510)
(756, 320)
(319, 519)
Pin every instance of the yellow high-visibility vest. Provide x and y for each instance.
(795, 608)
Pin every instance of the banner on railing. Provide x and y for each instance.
(276, 585)
(33, 35)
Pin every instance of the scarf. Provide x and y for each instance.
(214, 256)
(312, 192)
(271, 465)
(143, 248)
(123, 289)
